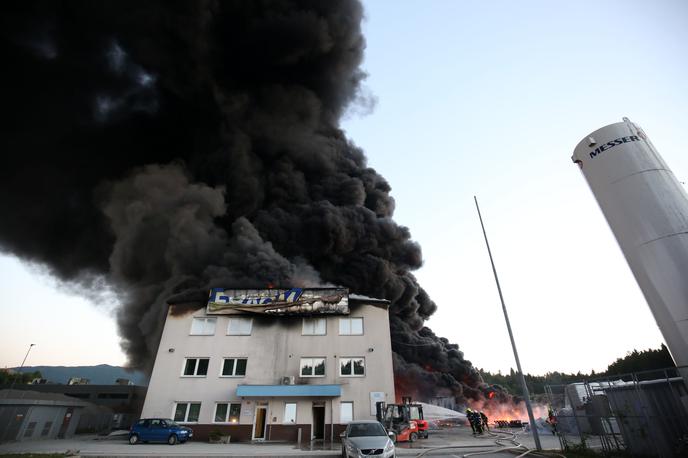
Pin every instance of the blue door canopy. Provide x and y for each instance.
(288, 390)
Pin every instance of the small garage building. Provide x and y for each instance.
(29, 415)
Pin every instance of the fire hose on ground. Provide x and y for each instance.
(501, 437)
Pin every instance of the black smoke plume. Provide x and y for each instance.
(168, 146)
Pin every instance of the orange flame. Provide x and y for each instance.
(507, 411)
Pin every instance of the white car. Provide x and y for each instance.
(367, 438)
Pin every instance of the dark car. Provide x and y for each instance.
(366, 437)
(158, 430)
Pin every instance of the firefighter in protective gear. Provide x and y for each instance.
(469, 417)
(483, 419)
(475, 420)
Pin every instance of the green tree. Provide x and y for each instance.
(637, 361)
(8, 377)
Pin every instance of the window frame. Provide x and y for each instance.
(47, 426)
(30, 429)
(195, 374)
(234, 375)
(312, 359)
(284, 417)
(341, 410)
(186, 411)
(313, 321)
(350, 319)
(229, 405)
(206, 319)
(250, 326)
(351, 359)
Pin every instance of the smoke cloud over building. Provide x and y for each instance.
(171, 146)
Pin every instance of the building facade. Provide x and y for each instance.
(265, 376)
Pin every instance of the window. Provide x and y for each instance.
(187, 411)
(29, 429)
(312, 367)
(346, 412)
(233, 367)
(314, 327)
(203, 326)
(46, 428)
(352, 367)
(226, 412)
(289, 412)
(351, 326)
(196, 367)
(239, 326)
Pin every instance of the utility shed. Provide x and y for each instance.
(29, 415)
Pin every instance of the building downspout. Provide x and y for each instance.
(331, 422)
(270, 420)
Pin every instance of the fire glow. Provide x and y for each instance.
(507, 411)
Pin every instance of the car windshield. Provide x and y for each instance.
(171, 424)
(366, 429)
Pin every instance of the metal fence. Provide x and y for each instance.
(642, 413)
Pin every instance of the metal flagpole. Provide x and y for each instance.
(526, 394)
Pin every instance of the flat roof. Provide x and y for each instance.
(24, 397)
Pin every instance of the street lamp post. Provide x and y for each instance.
(22, 365)
(522, 378)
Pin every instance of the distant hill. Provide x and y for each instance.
(102, 374)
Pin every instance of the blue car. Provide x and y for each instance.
(158, 430)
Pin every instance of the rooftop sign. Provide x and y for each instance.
(293, 301)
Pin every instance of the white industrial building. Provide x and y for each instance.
(273, 364)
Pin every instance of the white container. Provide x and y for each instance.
(647, 210)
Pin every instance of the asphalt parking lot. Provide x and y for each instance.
(454, 442)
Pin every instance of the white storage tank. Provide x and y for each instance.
(647, 210)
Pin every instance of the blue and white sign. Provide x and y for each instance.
(292, 301)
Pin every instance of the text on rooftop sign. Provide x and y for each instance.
(292, 301)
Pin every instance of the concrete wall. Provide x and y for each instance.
(274, 350)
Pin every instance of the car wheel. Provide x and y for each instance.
(413, 437)
(172, 439)
(134, 439)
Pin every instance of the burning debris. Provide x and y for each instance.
(168, 147)
(508, 412)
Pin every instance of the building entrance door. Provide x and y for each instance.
(259, 422)
(318, 421)
(65, 423)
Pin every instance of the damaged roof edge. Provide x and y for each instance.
(199, 297)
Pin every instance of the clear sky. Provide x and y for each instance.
(478, 98)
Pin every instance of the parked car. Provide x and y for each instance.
(158, 430)
(367, 437)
